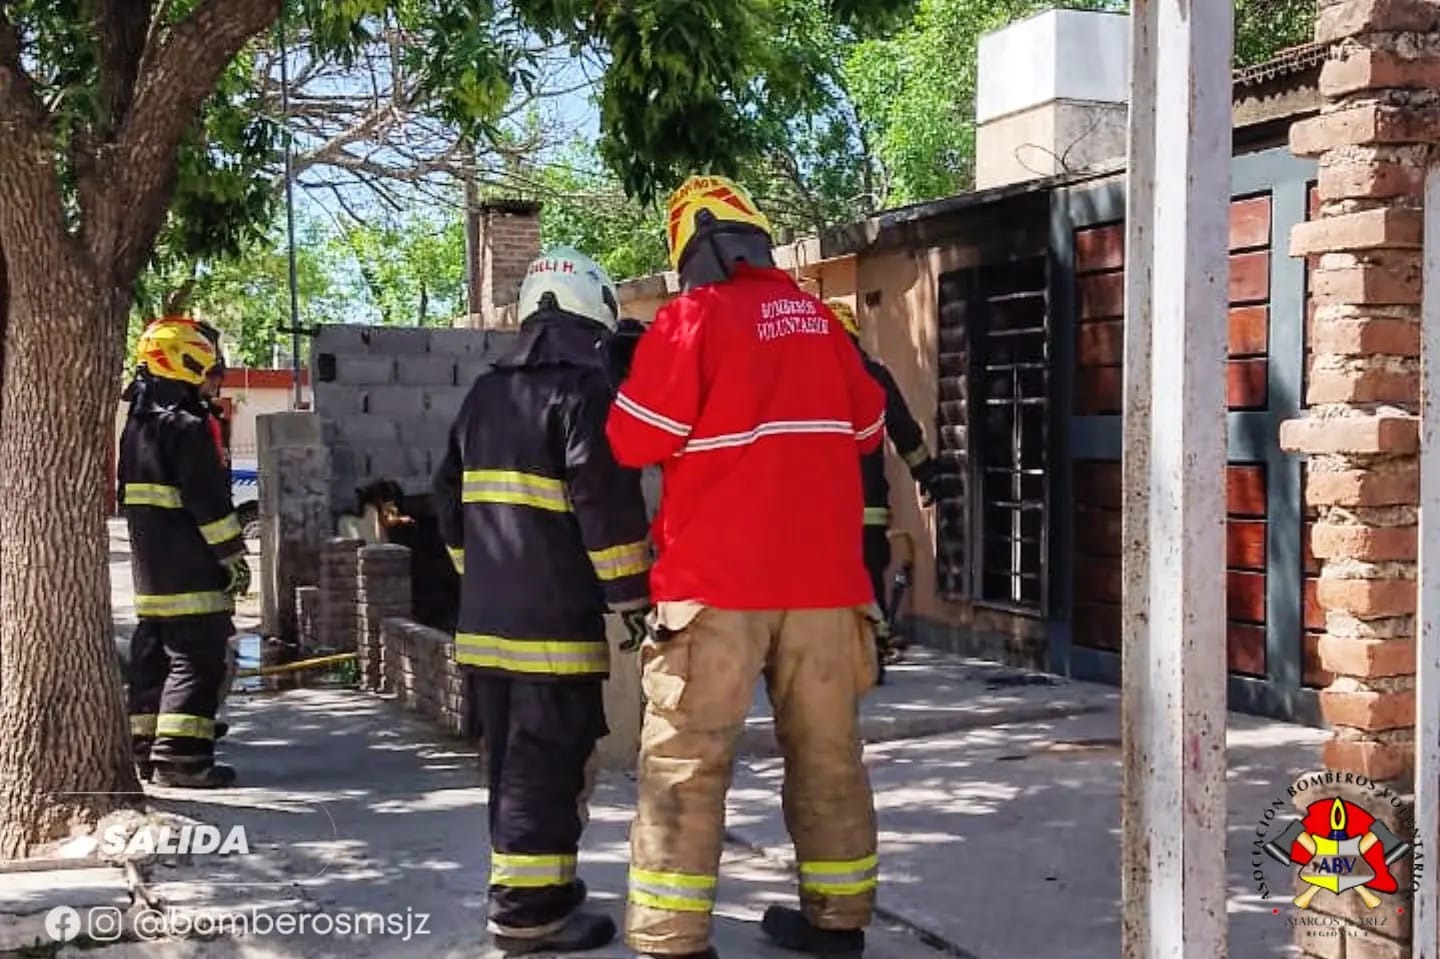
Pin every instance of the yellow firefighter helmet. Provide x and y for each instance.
(728, 204)
(175, 348)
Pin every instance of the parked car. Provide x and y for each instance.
(245, 491)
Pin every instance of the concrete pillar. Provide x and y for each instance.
(1360, 435)
(294, 469)
(307, 615)
(1175, 679)
(384, 593)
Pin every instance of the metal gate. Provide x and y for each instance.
(1272, 656)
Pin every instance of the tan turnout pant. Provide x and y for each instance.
(699, 685)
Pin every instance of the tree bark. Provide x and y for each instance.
(64, 758)
(64, 752)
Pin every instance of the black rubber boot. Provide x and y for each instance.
(789, 929)
(221, 728)
(207, 777)
(581, 932)
(146, 771)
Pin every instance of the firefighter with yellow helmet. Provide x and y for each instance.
(188, 557)
(755, 402)
(909, 442)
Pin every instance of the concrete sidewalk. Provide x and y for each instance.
(352, 807)
(1005, 841)
(934, 692)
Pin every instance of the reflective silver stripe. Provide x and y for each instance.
(531, 872)
(515, 488)
(541, 656)
(650, 417)
(184, 726)
(672, 891)
(222, 530)
(457, 558)
(183, 604)
(916, 456)
(153, 494)
(848, 878)
(620, 561)
(143, 724)
(877, 516)
(774, 428)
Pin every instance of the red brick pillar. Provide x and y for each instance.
(1360, 433)
(509, 242)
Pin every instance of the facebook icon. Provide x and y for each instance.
(62, 924)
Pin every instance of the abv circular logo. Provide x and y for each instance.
(1338, 846)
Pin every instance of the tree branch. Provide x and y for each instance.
(173, 81)
(19, 103)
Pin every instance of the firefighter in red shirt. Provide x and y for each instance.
(755, 401)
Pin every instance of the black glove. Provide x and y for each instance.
(239, 572)
(927, 475)
(637, 627)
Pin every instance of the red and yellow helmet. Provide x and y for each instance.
(845, 315)
(724, 199)
(175, 348)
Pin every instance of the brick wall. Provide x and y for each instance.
(421, 672)
(386, 398)
(1360, 434)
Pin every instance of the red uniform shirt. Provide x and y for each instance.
(756, 402)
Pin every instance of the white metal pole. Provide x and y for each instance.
(1135, 518)
(1426, 935)
(1183, 804)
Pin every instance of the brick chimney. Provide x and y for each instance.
(1051, 96)
(508, 240)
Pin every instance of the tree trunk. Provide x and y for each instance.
(65, 757)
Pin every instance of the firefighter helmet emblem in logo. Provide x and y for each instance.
(1340, 848)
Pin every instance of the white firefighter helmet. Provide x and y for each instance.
(576, 283)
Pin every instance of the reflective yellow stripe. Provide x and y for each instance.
(544, 656)
(916, 456)
(457, 557)
(222, 530)
(531, 872)
(143, 724)
(877, 516)
(152, 494)
(672, 891)
(514, 488)
(184, 725)
(848, 878)
(183, 604)
(617, 562)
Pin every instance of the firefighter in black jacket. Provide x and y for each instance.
(909, 441)
(188, 558)
(548, 532)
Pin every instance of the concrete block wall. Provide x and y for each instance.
(386, 398)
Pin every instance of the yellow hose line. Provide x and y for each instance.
(296, 667)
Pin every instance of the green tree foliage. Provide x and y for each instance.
(915, 90)
(587, 208)
(413, 269)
